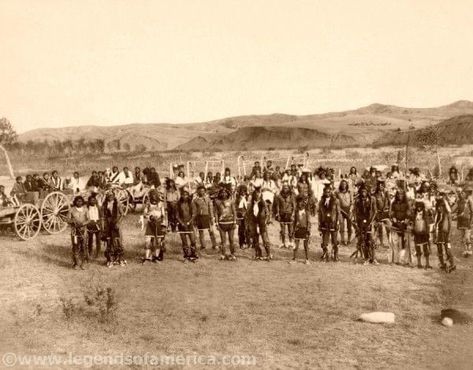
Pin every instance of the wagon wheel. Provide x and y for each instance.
(27, 222)
(123, 199)
(55, 211)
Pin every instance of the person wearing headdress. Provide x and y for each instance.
(329, 213)
(421, 221)
(301, 227)
(185, 226)
(113, 215)
(464, 212)
(345, 199)
(78, 219)
(443, 226)
(284, 210)
(155, 215)
(258, 216)
(365, 214)
(225, 217)
(203, 216)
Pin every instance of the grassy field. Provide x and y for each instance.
(287, 316)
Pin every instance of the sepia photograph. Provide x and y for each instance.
(236, 184)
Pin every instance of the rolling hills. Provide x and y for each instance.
(374, 123)
(457, 130)
(266, 137)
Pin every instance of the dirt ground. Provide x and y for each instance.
(286, 315)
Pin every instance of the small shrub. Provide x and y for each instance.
(68, 307)
(38, 310)
(104, 301)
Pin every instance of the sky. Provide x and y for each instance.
(66, 62)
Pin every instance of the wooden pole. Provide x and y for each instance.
(438, 164)
(287, 162)
(7, 158)
(238, 167)
(206, 170)
(407, 153)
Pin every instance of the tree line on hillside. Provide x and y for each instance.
(47, 148)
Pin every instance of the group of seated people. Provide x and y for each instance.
(376, 207)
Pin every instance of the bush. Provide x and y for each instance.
(101, 303)
(68, 307)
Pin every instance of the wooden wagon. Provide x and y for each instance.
(27, 219)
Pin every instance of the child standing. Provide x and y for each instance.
(301, 228)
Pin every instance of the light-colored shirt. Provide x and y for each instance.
(94, 213)
(126, 179)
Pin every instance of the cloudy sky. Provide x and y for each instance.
(66, 62)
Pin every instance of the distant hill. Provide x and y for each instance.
(364, 126)
(266, 137)
(455, 130)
